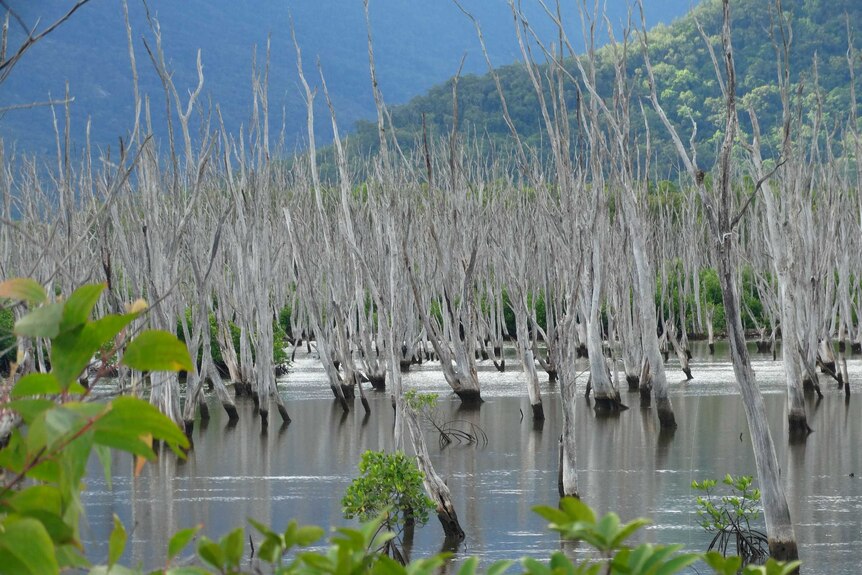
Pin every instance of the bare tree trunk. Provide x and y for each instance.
(781, 537)
(434, 485)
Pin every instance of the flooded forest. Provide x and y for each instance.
(610, 313)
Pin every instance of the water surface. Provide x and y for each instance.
(625, 465)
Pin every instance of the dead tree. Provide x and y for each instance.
(722, 221)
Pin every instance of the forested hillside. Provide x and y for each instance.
(417, 45)
(684, 74)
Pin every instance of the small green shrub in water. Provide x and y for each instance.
(390, 487)
(730, 517)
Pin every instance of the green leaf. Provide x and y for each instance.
(388, 566)
(156, 350)
(116, 542)
(35, 384)
(50, 426)
(45, 504)
(72, 557)
(577, 510)
(73, 350)
(232, 543)
(534, 567)
(41, 322)
(80, 305)
(129, 419)
(180, 539)
(627, 530)
(104, 455)
(552, 514)
(112, 570)
(30, 409)
(38, 497)
(25, 543)
(263, 529)
(308, 535)
(499, 567)
(677, 564)
(24, 289)
(469, 566)
(211, 553)
(316, 561)
(187, 571)
(721, 564)
(272, 548)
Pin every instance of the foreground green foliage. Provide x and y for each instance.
(43, 463)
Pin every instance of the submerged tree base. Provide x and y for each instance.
(633, 381)
(282, 411)
(666, 417)
(451, 528)
(230, 409)
(241, 388)
(470, 396)
(646, 396)
(378, 382)
(811, 386)
(609, 405)
(538, 412)
(783, 550)
(797, 424)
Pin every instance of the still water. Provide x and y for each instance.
(301, 471)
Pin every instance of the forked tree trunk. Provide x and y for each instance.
(682, 356)
(826, 359)
(652, 374)
(458, 365)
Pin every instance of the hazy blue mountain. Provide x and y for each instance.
(417, 44)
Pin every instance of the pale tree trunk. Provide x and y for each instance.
(607, 398)
(630, 337)
(710, 328)
(568, 460)
(436, 488)
(780, 534)
(525, 352)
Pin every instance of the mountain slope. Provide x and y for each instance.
(417, 45)
(684, 73)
